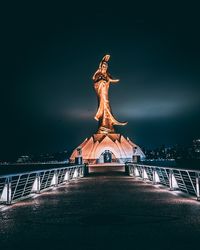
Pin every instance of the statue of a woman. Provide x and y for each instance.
(102, 80)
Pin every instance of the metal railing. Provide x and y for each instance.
(14, 187)
(185, 180)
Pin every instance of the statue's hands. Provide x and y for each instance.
(114, 80)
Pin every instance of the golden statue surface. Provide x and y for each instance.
(102, 80)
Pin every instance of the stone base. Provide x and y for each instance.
(121, 148)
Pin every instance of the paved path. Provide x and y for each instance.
(102, 211)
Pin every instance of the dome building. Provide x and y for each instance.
(106, 149)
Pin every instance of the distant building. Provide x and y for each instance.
(196, 148)
(196, 145)
(52, 157)
(24, 159)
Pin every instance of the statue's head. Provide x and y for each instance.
(106, 58)
(104, 67)
(103, 64)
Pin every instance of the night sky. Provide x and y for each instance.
(51, 50)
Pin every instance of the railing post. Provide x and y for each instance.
(78, 172)
(66, 177)
(171, 188)
(197, 186)
(81, 172)
(85, 170)
(54, 181)
(131, 170)
(154, 176)
(38, 183)
(75, 174)
(136, 172)
(9, 191)
(143, 177)
(127, 171)
(56, 178)
(6, 195)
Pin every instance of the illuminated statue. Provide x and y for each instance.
(105, 146)
(102, 80)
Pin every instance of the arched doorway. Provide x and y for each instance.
(106, 157)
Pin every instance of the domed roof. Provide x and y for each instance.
(122, 148)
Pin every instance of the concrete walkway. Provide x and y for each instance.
(103, 211)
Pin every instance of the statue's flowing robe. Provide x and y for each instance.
(104, 114)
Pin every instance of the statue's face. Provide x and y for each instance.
(104, 68)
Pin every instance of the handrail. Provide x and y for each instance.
(185, 180)
(33, 171)
(14, 187)
(190, 169)
(33, 163)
